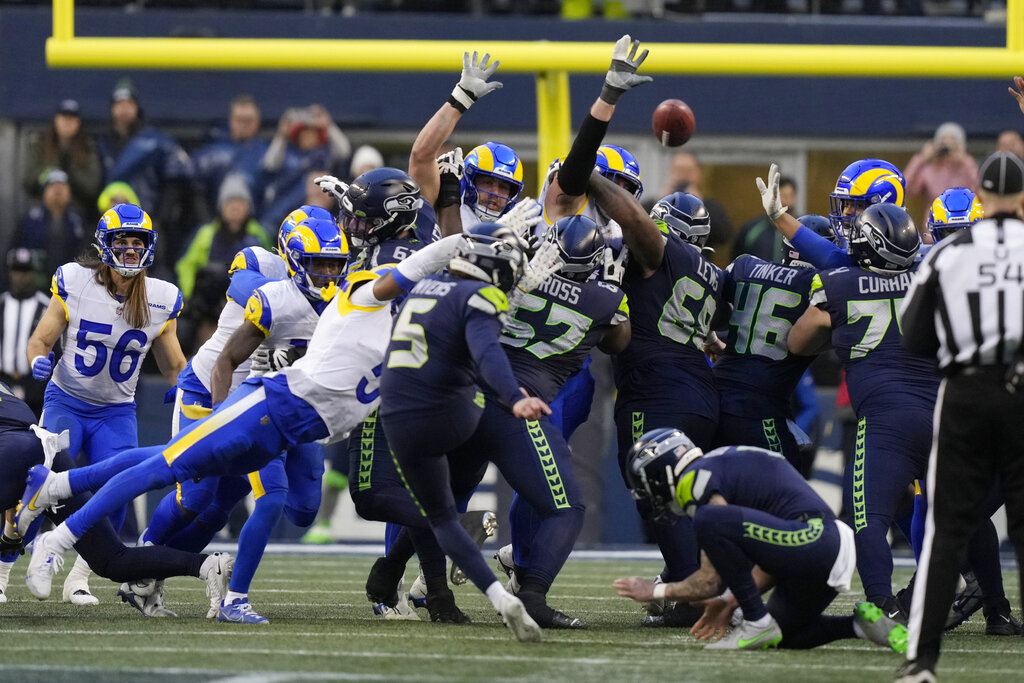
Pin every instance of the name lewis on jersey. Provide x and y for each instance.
(707, 271)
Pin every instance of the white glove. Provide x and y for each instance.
(473, 84)
(523, 216)
(770, 198)
(451, 163)
(546, 260)
(52, 443)
(332, 186)
(614, 266)
(621, 74)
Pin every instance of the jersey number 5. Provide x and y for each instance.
(118, 372)
(406, 330)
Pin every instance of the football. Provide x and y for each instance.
(673, 123)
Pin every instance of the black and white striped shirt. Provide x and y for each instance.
(966, 301)
(18, 319)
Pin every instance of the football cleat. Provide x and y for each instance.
(148, 599)
(912, 672)
(36, 498)
(999, 621)
(240, 612)
(79, 596)
(507, 564)
(879, 628)
(418, 592)
(518, 620)
(676, 615)
(382, 581)
(5, 577)
(656, 607)
(547, 616)
(749, 637)
(44, 564)
(480, 525)
(218, 574)
(318, 534)
(892, 609)
(443, 609)
(967, 602)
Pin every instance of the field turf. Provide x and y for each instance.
(322, 629)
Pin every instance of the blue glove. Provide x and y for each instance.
(42, 367)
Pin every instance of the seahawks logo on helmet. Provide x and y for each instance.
(403, 202)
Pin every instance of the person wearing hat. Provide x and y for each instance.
(53, 226)
(66, 145)
(217, 242)
(942, 163)
(23, 304)
(153, 164)
(240, 150)
(965, 306)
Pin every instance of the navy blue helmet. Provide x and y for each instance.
(492, 253)
(686, 215)
(884, 239)
(654, 468)
(581, 246)
(378, 205)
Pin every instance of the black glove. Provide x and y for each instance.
(8, 544)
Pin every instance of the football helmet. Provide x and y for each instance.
(955, 209)
(378, 205)
(581, 246)
(822, 227)
(125, 220)
(619, 166)
(686, 216)
(491, 253)
(494, 160)
(311, 247)
(885, 240)
(861, 184)
(654, 467)
(300, 214)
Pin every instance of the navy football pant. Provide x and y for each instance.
(769, 432)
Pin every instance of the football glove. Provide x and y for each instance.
(614, 266)
(42, 366)
(332, 186)
(272, 360)
(473, 84)
(546, 260)
(450, 167)
(523, 216)
(621, 74)
(770, 198)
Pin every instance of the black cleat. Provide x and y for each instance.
(443, 610)
(676, 615)
(382, 583)
(891, 608)
(967, 602)
(547, 616)
(1000, 621)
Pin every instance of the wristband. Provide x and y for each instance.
(461, 99)
(659, 591)
(610, 94)
(32, 362)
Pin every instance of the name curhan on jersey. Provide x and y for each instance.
(883, 285)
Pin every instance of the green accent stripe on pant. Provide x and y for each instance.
(638, 426)
(367, 432)
(815, 528)
(771, 435)
(548, 464)
(398, 468)
(860, 515)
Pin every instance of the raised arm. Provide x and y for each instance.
(639, 231)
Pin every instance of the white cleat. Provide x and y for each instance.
(147, 596)
(44, 564)
(746, 636)
(35, 499)
(216, 571)
(506, 563)
(515, 616)
(418, 592)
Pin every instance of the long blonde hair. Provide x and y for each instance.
(135, 308)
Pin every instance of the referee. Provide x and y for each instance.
(966, 304)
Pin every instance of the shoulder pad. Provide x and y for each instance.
(257, 311)
(490, 300)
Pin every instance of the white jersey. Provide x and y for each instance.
(610, 230)
(340, 374)
(102, 353)
(284, 315)
(468, 216)
(256, 259)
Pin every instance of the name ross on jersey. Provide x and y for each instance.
(433, 287)
(774, 272)
(561, 289)
(877, 285)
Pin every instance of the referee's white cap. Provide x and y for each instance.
(1002, 173)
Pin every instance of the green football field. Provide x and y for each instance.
(322, 629)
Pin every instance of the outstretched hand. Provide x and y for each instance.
(715, 621)
(770, 198)
(622, 74)
(473, 83)
(641, 590)
(332, 186)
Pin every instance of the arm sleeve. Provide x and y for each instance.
(482, 332)
(818, 251)
(574, 172)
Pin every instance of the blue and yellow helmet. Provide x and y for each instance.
(297, 216)
(619, 166)
(861, 184)
(311, 245)
(955, 209)
(125, 220)
(494, 160)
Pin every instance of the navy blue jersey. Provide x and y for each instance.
(422, 233)
(14, 413)
(757, 374)
(552, 329)
(881, 375)
(670, 315)
(444, 338)
(753, 478)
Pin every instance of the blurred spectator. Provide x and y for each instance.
(241, 151)
(942, 163)
(53, 227)
(306, 139)
(1010, 141)
(685, 175)
(155, 166)
(366, 158)
(21, 307)
(67, 146)
(758, 236)
(216, 243)
(116, 193)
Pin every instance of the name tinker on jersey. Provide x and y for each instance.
(101, 360)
